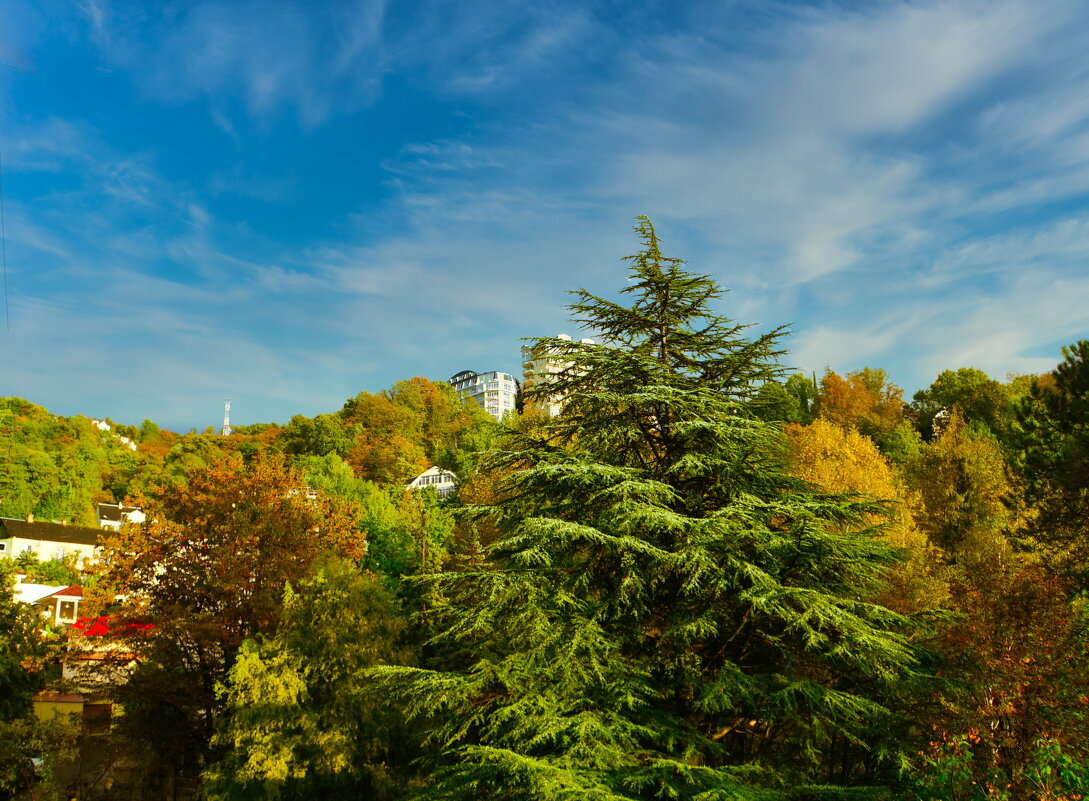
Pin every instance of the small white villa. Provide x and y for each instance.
(442, 481)
(58, 605)
(112, 515)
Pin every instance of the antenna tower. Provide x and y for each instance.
(227, 417)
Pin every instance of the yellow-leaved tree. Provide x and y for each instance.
(841, 460)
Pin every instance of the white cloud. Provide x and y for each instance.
(1011, 327)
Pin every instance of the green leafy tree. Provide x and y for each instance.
(667, 613)
(57, 468)
(901, 445)
(406, 531)
(191, 455)
(965, 493)
(150, 431)
(791, 401)
(51, 571)
(21, 650)
(979, 399)
(329, 474)
(316, 436)
(302, 721)
(22, 659)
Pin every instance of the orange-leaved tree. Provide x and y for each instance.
(864, 399)
(207, 571)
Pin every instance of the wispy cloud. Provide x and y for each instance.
(316, 60)
(848, 149)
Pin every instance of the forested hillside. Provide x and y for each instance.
(708, 578)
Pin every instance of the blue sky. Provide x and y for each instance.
(286, 203)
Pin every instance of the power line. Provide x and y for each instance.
(17, 69)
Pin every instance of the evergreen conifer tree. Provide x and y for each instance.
(1051, 452)
(668, 614)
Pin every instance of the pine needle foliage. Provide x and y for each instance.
(668, 614)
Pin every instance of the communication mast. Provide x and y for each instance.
(227, 417)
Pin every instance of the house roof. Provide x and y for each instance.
(434, 471)
(114, 511)
(32, 593)
(35, 593)
(61, 698)
(49, 532)
(101, 655)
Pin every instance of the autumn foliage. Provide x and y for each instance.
(1011, 720)
(209, 567)
(864, 400)
(841, 460)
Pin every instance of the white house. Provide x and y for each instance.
(47, 540)
(112, 515)
(442, 481)
(56, 604)
(103, 426)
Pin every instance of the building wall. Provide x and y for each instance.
(109, 665)
(49, 709)
(62, 609)
(45, 549)
(128, 514)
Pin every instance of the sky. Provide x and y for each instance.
(287, 203)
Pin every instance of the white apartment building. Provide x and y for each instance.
(494, 392)
(538, 366)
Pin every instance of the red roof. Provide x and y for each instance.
(63, 698)
(74, 591)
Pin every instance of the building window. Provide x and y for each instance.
(67, 610)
